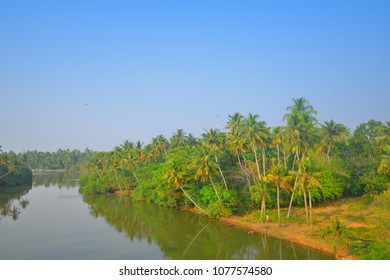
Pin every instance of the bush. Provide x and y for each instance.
(217, 210)
(90, 184)
(21, 176)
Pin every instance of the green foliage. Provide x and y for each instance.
(61, 159)
(217, 209)
(338, 232)
(378, 251)
(91, 184)
(334, 179)
(372, 250)
(208, 194)
(242, 169)
(22, 175)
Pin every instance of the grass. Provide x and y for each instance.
(367, 221)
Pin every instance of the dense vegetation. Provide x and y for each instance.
(69, 160)
(249, 165)
(15, 169)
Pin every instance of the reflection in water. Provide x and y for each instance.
(11, 198)
(12, 201)
(60, 179)
(56, 222)
(183, 235)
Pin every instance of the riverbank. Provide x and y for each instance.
(299, 234)
(366, 222)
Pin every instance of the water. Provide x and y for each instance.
(51, 220)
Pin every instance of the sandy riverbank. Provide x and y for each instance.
(299, 234)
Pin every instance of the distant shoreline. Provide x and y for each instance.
(49, 171)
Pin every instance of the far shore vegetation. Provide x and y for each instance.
(321, 176)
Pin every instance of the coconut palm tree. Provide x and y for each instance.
(280, 180)
(306, 179)
(277, 140)
(234, 123)
(204, 167)
(331, 132)
(132, 161)
(191, 140)
(159, 146)
(257, 135)
(237, 144)
(215, 141)
(178, 138)
(301, 122)
(127, 145)
(301, 106)
(176, 177)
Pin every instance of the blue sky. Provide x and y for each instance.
(150, 67)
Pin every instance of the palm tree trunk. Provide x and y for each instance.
(278, 201)
(262, 207)
(247, 174)
(307, 212)
(193, 201)
(220, 171)
(239, 161)
(292, 196)
(278, 149)
(310, 208)
(135, 176)
(293, 165)
(328, 152)
(257, 163)
(263, 156)
(284, 158)
(215, 189)
(117, 181)
(5, 174)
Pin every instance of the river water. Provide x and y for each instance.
(50, 220)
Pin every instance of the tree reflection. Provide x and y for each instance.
(14, 213)
(24, 203)
(60, 179)
(183, 235)
(11, 201)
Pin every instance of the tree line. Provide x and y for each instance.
(249, 165)
(15, 169)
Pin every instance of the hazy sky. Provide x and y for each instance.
(76, 74)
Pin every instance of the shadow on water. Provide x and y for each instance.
(183, 235)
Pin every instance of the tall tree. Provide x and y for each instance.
(257, 135)
(301, 122)
(159, 146)
(234, 123)
(215, 140)
(178, 138)
(204, 167)
(281, 180)
(331, 132)
(176, 177)
(307, 179)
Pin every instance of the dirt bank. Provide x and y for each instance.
(299, 234)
